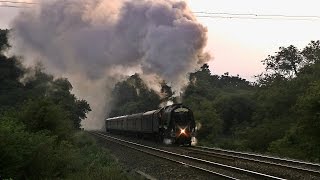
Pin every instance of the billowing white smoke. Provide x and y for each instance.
(96, 42)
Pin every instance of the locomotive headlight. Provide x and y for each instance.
(182, 131)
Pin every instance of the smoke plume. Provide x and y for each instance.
(95, 43)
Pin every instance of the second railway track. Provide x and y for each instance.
(284, 168)
(305, 167)
(215, 169)
(289, 169)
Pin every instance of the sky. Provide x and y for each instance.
(237, 46)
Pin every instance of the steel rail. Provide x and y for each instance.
(252, 173)
(265, 159)
(162, 157)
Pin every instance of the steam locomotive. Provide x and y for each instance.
(174, 123)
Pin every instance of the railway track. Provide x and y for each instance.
(298, 166)
(203, 165)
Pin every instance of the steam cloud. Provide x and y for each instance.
(95, 43)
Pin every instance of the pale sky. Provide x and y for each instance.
(238, 45)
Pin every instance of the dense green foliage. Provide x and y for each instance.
(221, 104)
(133, 96)
(39, 127)
(41, 155)
(4, 43)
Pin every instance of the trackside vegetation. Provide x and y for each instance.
(40, 135)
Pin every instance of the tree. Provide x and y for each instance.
(60, 92)
(133, 96)
(312, 52)
(303, 139)
(199, 83)
(308, 109)
(11, 89)
(11, 70)
(41, 84)
(234, 110)
(286, 62)
(43, 114)
(4, 43)
(38, 119)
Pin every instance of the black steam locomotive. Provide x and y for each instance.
(174, 123)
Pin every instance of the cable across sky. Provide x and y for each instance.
(17, 2)
(256, 15)
(227, 15)
(257, 18)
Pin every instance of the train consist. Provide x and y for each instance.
(175, 123)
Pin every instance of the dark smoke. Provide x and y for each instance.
(96, 42)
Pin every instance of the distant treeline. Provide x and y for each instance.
(278, 114)
(39, 127)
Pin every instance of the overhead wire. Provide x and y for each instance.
(255, 18)
(17, 2)
(256, 15)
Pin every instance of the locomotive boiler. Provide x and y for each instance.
(175, 123)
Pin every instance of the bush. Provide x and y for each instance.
(39, 155)
(43, 114)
